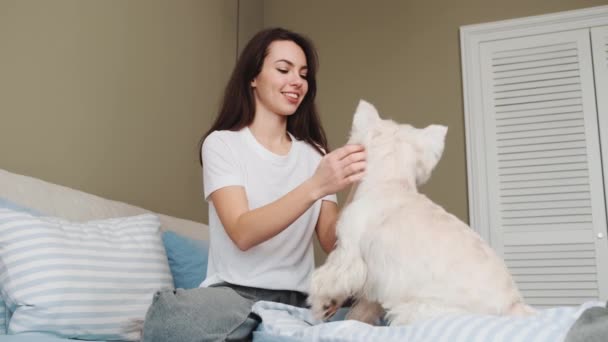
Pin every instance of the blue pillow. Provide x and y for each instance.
(5, 314)
(187, 259)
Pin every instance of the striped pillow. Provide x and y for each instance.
(4, 313)
(80, 280)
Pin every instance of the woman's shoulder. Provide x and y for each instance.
(222, 137)
(224, 134)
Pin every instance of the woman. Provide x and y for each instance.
(269, 182)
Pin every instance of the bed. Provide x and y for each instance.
(180, 261)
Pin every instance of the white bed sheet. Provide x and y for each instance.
(282, 322)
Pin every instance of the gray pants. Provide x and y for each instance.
(218, 313)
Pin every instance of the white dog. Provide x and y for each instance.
(397, 251)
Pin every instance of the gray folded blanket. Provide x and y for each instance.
(591, 326)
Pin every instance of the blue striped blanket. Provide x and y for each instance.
(282, 322)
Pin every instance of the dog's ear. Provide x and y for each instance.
(366, 116)
(431, 141)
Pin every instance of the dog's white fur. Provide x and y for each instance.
(399, 251)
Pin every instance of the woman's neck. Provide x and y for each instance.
(271, 132)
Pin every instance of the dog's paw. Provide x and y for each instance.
(325, 309)
(366, 311)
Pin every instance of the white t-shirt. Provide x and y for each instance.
(286, 261)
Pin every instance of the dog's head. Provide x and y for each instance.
(396, 150)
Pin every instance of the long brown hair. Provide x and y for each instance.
(238, 105)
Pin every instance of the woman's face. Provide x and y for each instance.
(281, 85)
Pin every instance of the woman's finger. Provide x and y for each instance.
(355, 177)
(354, 168)
(347, 150)
(354, 158)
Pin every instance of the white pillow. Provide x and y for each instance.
(80, 280)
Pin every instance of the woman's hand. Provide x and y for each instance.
(339, 169)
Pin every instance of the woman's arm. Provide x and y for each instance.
(248, 228)
(326, 225)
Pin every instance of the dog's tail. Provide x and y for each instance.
(521, 309)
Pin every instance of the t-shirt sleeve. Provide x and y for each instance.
(220, 165)
(332, 198)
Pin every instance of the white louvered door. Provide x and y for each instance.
(547, 212)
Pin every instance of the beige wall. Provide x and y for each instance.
(250, 20)
(404, 57)
(111, 96)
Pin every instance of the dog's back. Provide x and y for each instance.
(417, 251)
